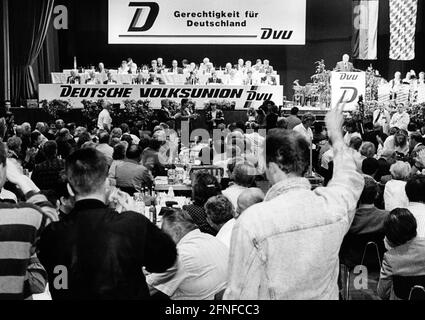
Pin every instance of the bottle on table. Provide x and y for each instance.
(152, 214)
(170, 192)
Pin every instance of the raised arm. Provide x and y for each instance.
(344, 189)
(31, 191)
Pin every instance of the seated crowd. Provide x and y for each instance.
(241, 73)
(66, 203)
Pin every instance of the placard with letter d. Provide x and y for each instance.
(347, 87)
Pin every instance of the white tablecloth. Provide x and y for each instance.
(169, 78)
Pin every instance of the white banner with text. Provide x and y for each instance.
(271, 22)
(242, 97)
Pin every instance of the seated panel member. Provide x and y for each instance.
(266, 67)
(269, 79)
(101, 68)
(110, 79)
(240, 65)
(154, 67)
(124, 68)
(175, 68)
(233, 79)
(161, 65)
(345, 65)
(249, 79)
(228, 69)
(132, 66)
(92, 78)
(74, 78)
(185, 64)
(214, 79)
(258, 65)
(154, 78)
(192, 79)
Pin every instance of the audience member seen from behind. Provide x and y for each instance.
(406, 252)
(415, 187)
(20, 227)
(204, 186)
(395, 189)
(103, 251)
(247, 199)
(220, 215)
(201, 268)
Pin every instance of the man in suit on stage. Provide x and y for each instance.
(154, 78)
(214, 117)
(214, 79)
(345, 65)
(110, 79)
(74, 78)
(269, 79)
(175, 68)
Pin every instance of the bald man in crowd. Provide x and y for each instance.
(248, 198)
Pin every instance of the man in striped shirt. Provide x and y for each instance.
(20, 226)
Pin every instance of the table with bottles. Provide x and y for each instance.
(177, 180)
(150, 203)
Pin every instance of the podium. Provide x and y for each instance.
(347, 87)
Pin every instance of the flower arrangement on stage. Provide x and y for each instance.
(417, 113)
(224, 105)
(55, 107)
(91, 110)
(135, 111)
(369, 108)
(373, 79)
(322, 79)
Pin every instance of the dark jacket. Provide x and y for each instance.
(73, 80)
(104, 253)
(179, 70)
(47, 175)
(216, 80)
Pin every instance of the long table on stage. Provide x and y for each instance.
(241, 97)
(168, 78)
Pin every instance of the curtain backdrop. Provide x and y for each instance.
(29, 23)
(48, 58)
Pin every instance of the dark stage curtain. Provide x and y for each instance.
(48, 58)
(29, 23)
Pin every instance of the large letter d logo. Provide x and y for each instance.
(153, 13)
(345, 97)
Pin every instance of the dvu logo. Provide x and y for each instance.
(135, 25)
(348, 95)
(276, 34)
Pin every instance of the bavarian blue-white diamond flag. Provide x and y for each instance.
(402, 29)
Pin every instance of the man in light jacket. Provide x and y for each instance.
(287, 246)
